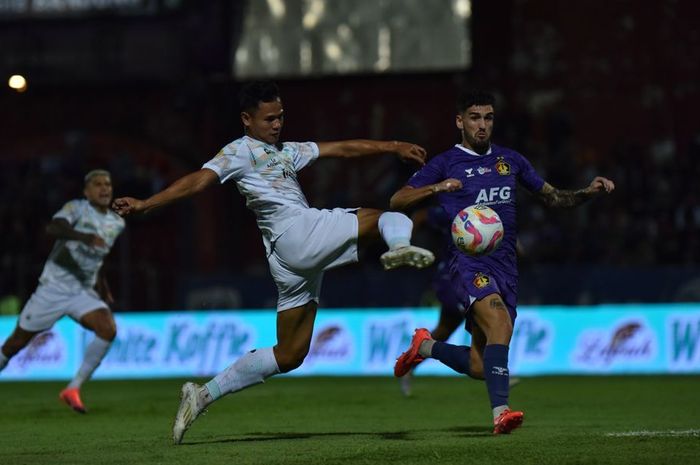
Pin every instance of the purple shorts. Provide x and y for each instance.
(476, 282)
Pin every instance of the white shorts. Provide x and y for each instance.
(319, 240)
(48, 304)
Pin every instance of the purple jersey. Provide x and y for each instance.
(488, 179)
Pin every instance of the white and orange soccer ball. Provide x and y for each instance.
(477, 230)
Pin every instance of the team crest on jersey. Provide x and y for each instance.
(502, 167)
(481, 280)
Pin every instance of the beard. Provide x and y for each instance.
(478, 145)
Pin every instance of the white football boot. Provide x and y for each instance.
(409, 255)
(188, 411)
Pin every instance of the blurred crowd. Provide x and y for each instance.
(650, 223)
(618, 102)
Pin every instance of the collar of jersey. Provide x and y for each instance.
(471, 152)
(259, 142)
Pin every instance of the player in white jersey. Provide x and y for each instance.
(301, 243)
(72, 283)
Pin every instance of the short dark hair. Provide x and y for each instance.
(255, 92)
(471, 97)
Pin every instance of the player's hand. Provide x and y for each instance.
(448, 185)
(601, 184)
(125, 206)
(411, 153)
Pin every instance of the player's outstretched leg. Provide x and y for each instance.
(190, 408)
(251, 369)
(396, 228)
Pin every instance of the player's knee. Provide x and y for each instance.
(106, 331)
(291, 360)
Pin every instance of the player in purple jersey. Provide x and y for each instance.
(479, 172)
(451, 310)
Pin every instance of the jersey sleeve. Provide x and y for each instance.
(528, 177)
(226, 163)
(431, 173)
(69, 212)
(303, 153)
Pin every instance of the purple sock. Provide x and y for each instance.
(496, 373)
(455, 357)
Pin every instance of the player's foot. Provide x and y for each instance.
(188, 411)
(407, 256)
(507, 421)
(405, 384)
(409, 359)
(71, 396)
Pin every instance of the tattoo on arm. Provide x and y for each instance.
(553, 197)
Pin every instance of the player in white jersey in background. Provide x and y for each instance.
(301, 242)
(72, 283)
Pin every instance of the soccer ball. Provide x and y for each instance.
(477, 230)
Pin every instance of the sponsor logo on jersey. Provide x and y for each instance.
(502, 167)
(481, 280)
(493, 194)
(483, 170)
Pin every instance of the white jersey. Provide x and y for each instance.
(73, 265)
(267, 176)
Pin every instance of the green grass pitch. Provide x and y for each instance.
(568, 420)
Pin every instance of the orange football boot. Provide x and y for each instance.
(507, 421)
(411, 357)
(71, 396)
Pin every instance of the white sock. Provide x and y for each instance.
(3, 360)
(498, 410)
(395, 229)
(251, 369)
(94, 353)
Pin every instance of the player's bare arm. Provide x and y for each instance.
(553, 197)
(184, 187)
(406, 151)
(61, 229)
(408, 196)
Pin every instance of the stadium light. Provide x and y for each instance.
(17, 82)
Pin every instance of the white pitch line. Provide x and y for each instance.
(668, 433)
